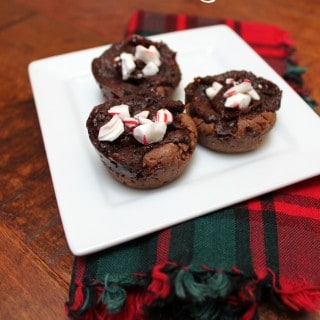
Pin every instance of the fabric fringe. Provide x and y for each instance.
(294, 77)
(170, 291)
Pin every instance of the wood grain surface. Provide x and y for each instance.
(36, 263)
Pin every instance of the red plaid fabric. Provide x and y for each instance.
(225, 264)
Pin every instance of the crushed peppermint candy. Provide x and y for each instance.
(150, 69)
(150, 56)
(151, 132)
(144, 130)
(212, 91)
(111, 130)
(238, 96)
(254, 94)
(142, 117)
(164, 115)
(143, 120)
(127, 65)
(147, 55)
(143, 114)
(243, 87)
(238, 101)
(131, 122)
(122, 110)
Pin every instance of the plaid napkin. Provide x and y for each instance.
(225, 264)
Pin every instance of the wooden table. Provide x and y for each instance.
(36, 263)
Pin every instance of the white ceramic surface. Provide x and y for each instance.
(98, 212)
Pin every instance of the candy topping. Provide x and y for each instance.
(149, 56)
(238, 96)
(144, 130)
(238, 101)
(131, 122)
(254, 94)
(142, 117)
(127, 65)
(243, 87)
(164, 115)
(111, 130)
(142, 114)
(212, 91)
(151, 132)
(150, 69)
(230, 80)
(122, 110)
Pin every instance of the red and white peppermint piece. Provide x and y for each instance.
(243, 87)
(127, 65)
(212, 91)
(150, 69)
(150, 54)
(142, 117)
(111, 130)
(254, 94)
(150, 132)
(238, 101)
(230, 80)
(121, 110)
(131, 122)
(142, 114)
(143, 120)
(164, 115)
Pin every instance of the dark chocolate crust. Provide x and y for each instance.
(107, 71)
(232, 130)
(145, 166)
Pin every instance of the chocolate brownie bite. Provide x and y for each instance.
(136, 64)
(233, 111)
(145, 141)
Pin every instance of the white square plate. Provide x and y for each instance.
(98, 212)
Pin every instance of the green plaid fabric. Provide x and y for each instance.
(222, 265)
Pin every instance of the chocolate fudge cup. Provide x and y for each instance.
(233, 111)
(145, 141)
(136, 64)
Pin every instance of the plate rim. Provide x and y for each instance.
(47, 66)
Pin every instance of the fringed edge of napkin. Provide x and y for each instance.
(194, 292)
